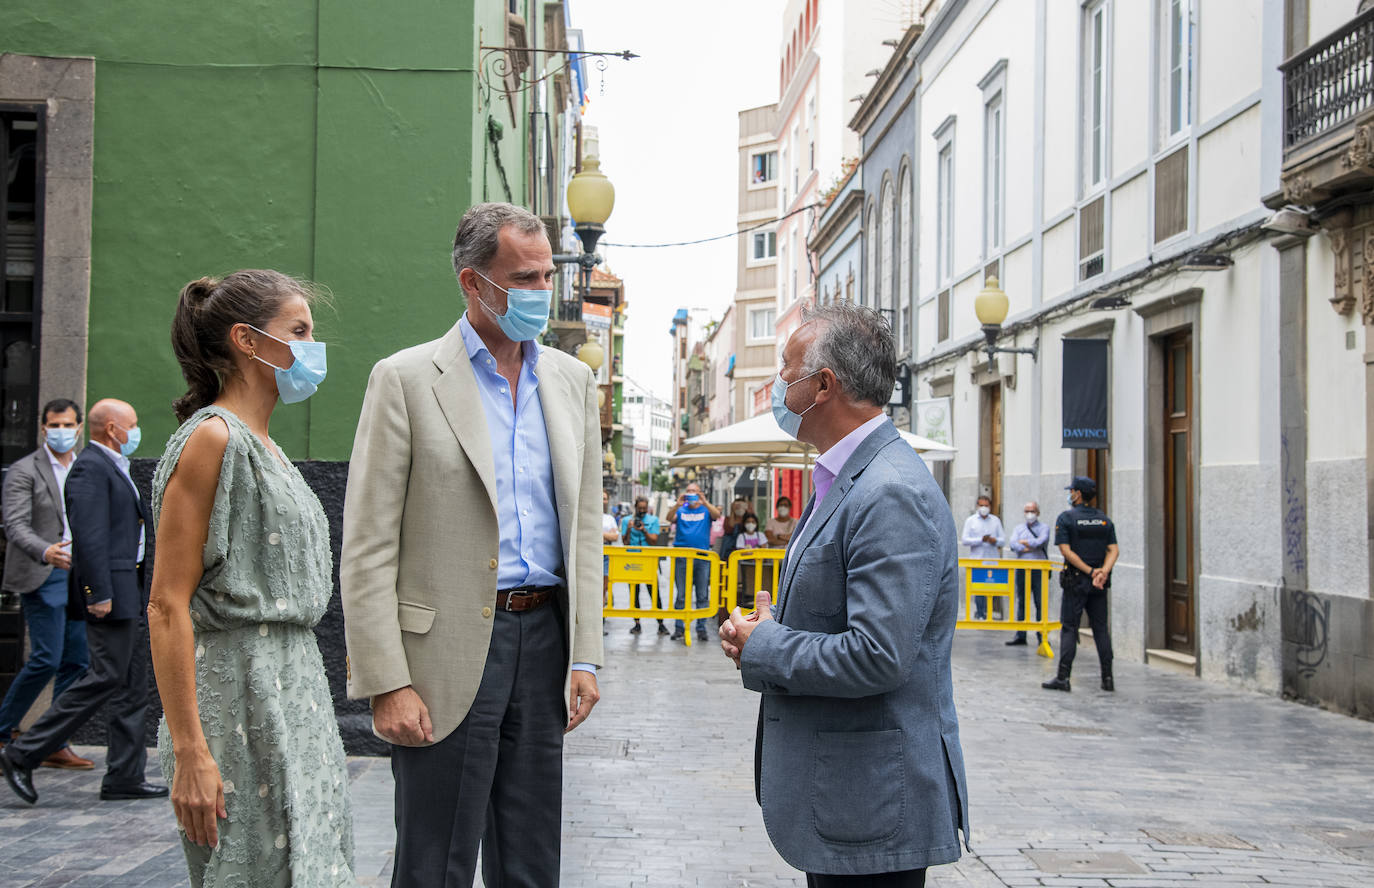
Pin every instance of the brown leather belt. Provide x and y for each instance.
(524, 598)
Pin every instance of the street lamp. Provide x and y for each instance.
(591, 198)
(991, 307)
(592, 354)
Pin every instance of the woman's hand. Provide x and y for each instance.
(198, 797)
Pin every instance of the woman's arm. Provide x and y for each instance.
(182, 528)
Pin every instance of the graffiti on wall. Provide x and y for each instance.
(1294, 519)
(1308, 620)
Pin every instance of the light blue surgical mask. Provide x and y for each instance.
(527, 311)
(60, 440)
(788, 420)
(307, 371)
(129, 446)
(1070, 497)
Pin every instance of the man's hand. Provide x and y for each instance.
(402, 718)
(989, 539)
(735, 632)
(58, 556)
(583, 695)
(100, 609)
(1100, 578)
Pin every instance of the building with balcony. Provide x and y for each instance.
(1175, 198)
(753, 356)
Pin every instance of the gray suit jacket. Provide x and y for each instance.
(860, 768)
(32, 507)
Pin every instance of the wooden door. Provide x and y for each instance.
(1179, 512)
(991, 469)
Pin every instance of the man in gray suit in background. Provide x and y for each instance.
(858, 765)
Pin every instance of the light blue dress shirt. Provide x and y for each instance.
(1038, 537)
(531, 548)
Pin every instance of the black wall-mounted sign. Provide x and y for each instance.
(1085, 394)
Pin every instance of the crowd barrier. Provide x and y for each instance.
(637, 572)
(993, 580)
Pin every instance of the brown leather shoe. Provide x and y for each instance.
(67, 760)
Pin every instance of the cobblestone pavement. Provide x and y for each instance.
(1169, 782)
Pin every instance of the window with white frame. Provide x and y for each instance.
(869, 294)
(796, 159)
(811, 129)
(784, 298)
(1093, 127)
(887, 250)
(1174, 67)
(903, 264)
(765, 246)
(761, 323)
(763, 167)
(944, 213)
(994, 87)
(994, 140)
(796, 264)
(782, 169)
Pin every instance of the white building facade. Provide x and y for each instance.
(1096, 157)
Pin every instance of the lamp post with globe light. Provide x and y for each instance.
(991, 306)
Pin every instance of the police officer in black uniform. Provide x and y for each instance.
(1087, 539)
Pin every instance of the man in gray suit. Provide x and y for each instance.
(36, 570)
(858, 765)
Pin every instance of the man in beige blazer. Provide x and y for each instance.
(471, 568)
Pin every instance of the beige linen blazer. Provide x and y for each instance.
(419, 560)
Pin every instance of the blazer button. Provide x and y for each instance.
(493, 564)
(486, 612)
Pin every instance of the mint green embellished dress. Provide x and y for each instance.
(260, 681)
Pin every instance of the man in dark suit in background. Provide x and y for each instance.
(107, 520)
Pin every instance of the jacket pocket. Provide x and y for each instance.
(858, 786)
(415, 618)
(821, 578)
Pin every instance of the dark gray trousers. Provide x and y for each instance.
(118, 675)
(498, 777)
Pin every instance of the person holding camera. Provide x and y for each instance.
(692, 520)
(641, 528)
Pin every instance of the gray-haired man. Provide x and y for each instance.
(858, 765)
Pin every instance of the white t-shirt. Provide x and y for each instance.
(608, 525)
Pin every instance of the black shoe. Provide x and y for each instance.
(701, 635)
(677, 633)
(635, 630)
(1055, 684)
(1018, 640)
(20, 779)
(138, 791)
(1108, 684)
(662, 629)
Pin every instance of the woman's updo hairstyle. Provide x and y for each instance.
(206, 309)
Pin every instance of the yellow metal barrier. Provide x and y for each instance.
(640, 565)
(992, 578)
(749, 572)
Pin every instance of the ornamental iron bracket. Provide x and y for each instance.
(503, 68)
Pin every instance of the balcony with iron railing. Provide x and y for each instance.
(1328, 115)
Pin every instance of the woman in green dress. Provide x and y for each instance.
(242, 575)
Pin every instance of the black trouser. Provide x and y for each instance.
(498, 777)
(636, 591)
(118, 675)
(906, 879)
(1079, 595)
(1035, 576)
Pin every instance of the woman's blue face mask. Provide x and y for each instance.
(307, 371)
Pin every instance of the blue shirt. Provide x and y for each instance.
(693, 527)
(531, 549)
(1037, 536)
(637, 537)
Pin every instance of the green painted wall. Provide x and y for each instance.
(339, 140)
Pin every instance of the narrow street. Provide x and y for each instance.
(1171, 781)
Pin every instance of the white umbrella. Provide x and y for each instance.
(761, 437)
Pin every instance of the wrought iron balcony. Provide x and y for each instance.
(1328, 114)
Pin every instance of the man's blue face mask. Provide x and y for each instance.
(527, 311)
(788, 420)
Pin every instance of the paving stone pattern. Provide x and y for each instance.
(1170, 782)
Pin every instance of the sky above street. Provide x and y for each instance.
(669, 135)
